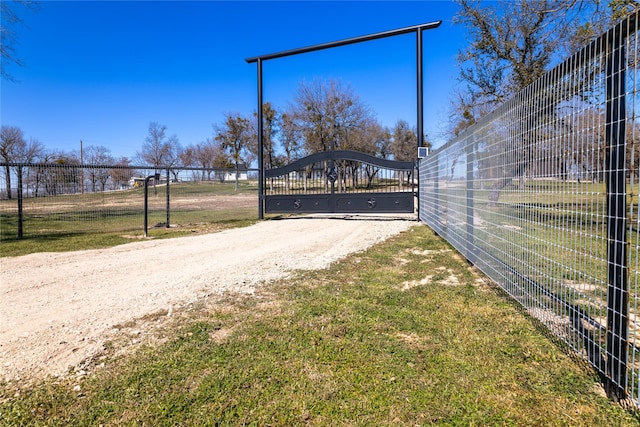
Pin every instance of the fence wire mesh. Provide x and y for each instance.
(542, 196)
(52, 200)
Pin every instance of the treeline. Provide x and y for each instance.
(322, 113)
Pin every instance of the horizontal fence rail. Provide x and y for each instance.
(542, 196)
(51, 200)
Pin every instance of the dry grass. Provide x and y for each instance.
(344, 346)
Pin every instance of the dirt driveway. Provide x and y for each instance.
(58, 309)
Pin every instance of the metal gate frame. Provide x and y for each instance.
(342, 202)
(417, 29)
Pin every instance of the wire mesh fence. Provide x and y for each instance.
(52, 200)
(542, 196)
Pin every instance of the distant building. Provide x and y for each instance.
(137, 181)
(230, 174)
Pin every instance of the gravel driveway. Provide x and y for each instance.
(58, 309)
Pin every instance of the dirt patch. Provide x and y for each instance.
(214, 201)
(59, 309)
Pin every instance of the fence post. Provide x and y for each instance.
(168, 199)
(470, 149)
(20, 217)
(436, 191)
(146, 206)
(616, 173)
(261, 186)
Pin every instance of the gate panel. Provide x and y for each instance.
(340, 181)
(302, 203)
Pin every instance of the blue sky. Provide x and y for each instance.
(100, 71)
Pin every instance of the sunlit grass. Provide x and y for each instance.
(97, 220)
(402, 334)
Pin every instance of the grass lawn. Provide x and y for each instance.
(104, 219)
(402, 334)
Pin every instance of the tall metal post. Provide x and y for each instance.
(616, 173)
(146, 206)
(470, 151)
(419, 106)
(260, 145)
(168, 198)
(19, 195)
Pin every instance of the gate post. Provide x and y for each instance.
(168, 198)
(146, 206)
(420, 103)
(616, 173)
(20, 216)
(260, 145)
(436, 191)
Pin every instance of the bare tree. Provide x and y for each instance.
(271, 128)
(512, 44)
(405, 143)
(11, 139)
(14, 149)
(173, 159)
(405, 140)
(98, 156)
(9, 21)
(290, 137)
(159, 150)
(65, 177)
(234, 136)
(121, 173)
(208, 155)
(328, 112)
(330, 115)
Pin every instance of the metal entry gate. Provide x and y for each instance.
(340, 181)
(377, 200)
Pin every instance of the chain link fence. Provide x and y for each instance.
(542, 196)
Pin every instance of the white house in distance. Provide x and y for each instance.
(230, 174)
